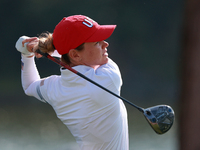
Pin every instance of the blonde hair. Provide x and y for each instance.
(46, 42)
(46, 46)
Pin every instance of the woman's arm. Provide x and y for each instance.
(29, 74)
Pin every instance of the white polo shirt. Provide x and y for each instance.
(97, 119)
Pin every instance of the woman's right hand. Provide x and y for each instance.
(32, 45)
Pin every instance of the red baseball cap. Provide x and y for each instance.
(75, 30)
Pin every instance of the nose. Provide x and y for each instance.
(105, 44)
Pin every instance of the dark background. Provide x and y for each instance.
(146, 45)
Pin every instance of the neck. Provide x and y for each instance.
(92, 66)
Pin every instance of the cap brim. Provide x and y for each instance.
(102, 33)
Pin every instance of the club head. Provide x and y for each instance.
(160, 117)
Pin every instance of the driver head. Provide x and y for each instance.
(160, 118)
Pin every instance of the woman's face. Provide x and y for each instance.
(94, 54)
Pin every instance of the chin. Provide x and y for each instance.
(105, 61)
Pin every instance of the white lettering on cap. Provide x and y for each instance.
(88, 22)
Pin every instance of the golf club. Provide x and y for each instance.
(160, 117)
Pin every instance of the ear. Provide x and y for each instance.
(74, 55)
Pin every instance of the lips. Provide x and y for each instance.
(105, 54)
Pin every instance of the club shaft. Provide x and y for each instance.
(86, 78)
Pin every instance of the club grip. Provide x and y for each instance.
(41, 53)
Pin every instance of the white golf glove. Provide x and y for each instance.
(22, 49)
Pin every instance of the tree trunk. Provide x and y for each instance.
(189, 123)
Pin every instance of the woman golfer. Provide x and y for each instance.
(97, 119)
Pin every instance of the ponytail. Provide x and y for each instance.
(46, 42)
(46, 46)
